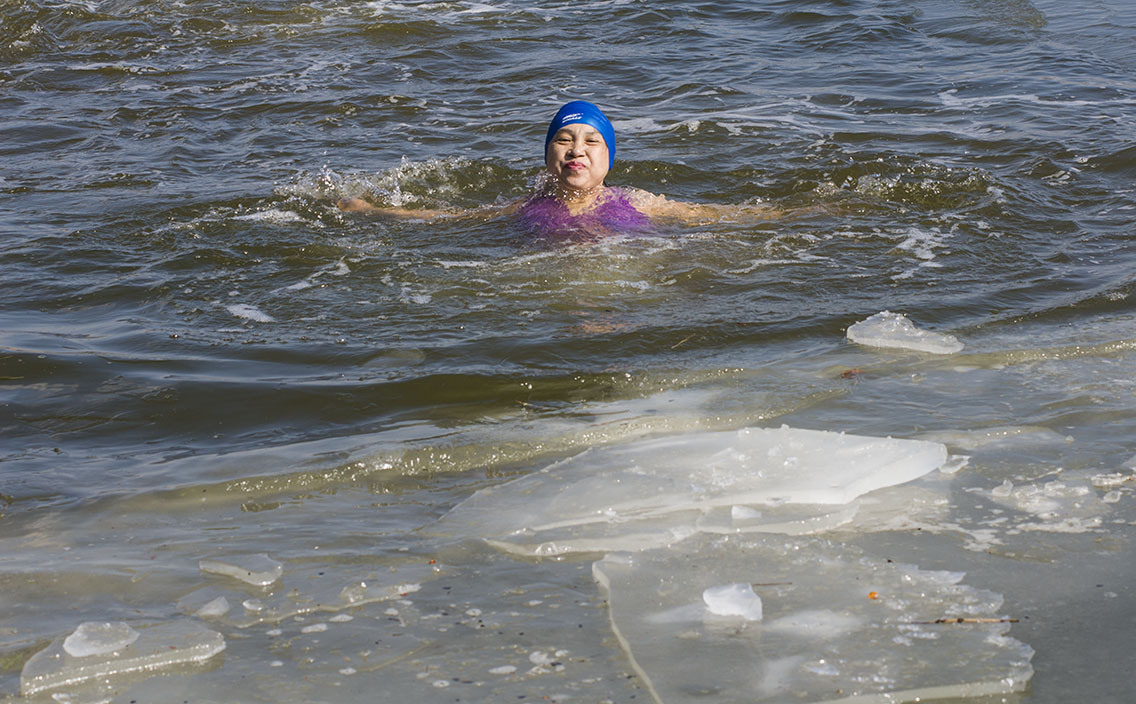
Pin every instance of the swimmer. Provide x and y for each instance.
(570, 194)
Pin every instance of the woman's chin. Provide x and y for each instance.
(580, 185)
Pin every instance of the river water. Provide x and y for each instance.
(201, 357)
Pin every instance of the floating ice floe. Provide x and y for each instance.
(837, 625)
(660, 491)
(110, 650)
(258, 570)
(304, 591)
(889, 329)
(1066, 505)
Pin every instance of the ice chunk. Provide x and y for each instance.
(214, 608)
(659, 491)
(155, 648)
(888, 329)
(259, 570)
(93, 638)
(825, 635)
(733, 600)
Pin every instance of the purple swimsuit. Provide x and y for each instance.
(612, 214)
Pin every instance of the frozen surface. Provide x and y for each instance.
(150, 649)
(838, 625)
(660, 491)
(259, 570)
(93, 638)
(888, 329)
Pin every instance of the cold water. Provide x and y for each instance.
(231, 415)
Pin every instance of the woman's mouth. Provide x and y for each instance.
(575, 166)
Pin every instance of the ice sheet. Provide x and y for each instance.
(151, 649)
(887, 329)
(838, 625)
(659, 491)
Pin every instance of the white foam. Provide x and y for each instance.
(272, 215)
(887, 329)
(249, 312)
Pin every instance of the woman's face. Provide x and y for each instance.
(577, 157)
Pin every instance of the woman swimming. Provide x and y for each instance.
(571, 198)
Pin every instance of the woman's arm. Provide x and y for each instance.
(656, 206)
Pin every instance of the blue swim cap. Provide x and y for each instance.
(581, 111)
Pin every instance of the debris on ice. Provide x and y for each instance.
(887, 329)
(150, 650)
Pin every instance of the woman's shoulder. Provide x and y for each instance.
(650, 204)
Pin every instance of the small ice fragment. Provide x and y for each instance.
(347, 671)
(1111, 497)
(341, 618)
(440, 683)
(821, 667)
(953, 464)
(253, 605)
(539, 657)
(503, 670)
(473, 612)
(744, 513)
(217, 607)
(736, 599)
(276, 663)
(1004, 489)
(259, 570)
(93, 638)
(889, 329)
(314, 628)
(274, 632)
